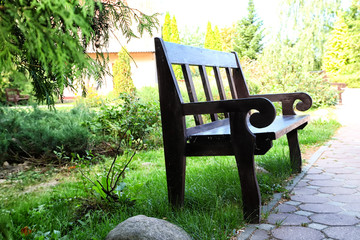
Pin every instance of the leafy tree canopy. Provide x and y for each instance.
(45, 41)
(307, 24)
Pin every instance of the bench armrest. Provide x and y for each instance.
(288, 100)
(264, 115)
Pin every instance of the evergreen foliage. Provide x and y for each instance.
(227, 38)
(342, 57)
(217, 39)
(212, 38)
(174, 37)
(45, 41)
(209, 36)
(36, 133)
(170, 33)
(166, 30)
(351, 72)
(123, 82)
(337, 47)
(248, 36)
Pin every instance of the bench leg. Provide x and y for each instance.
(295, 153)
(244, 146)
(175, 162)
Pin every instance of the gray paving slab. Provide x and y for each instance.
(320, 208)
(325, 197)
(297, 233)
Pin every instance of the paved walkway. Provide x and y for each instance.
(325, 202)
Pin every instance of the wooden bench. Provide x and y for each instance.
(340, 87)
(249, 127)
(13, 95)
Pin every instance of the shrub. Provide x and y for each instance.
(265, 78)
(92, 98)
(129, 118)
(36, 133)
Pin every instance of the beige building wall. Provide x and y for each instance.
(143, 70)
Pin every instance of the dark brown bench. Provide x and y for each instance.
(340, 87)
(13, 95)
(249, 127)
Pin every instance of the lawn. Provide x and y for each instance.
(53, 200)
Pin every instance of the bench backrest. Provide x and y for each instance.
(226, 71)
(12, 94)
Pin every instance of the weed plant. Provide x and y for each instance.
(212, 210)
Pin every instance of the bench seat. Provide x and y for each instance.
(280, 126)
(213, 138)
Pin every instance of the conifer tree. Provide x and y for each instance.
(217, 39)
(213, 38)
(248, 35)
(209, 37)
(337, 47)
(350, 73)
(175, 38)
(354, 31)
(166, 31)
(122, 74)
(170, 33)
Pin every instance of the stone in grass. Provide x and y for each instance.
(141, 227)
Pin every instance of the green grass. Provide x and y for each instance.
(213, 208)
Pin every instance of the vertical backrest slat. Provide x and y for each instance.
(241, 87)
(240, 84)
(220, 85)
(191, 90)
(231, 83)
(207, 89)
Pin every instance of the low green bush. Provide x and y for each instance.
(36, 133)
(128, 118)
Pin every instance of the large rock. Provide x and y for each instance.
(147, 228)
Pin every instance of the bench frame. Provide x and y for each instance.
(243, 133)
(13, 95)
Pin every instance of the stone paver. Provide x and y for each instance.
(297, 233)
(331, 219)
(343, 233)
(325, 203)
(320, 208)
(285, 208)
(287, 219)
